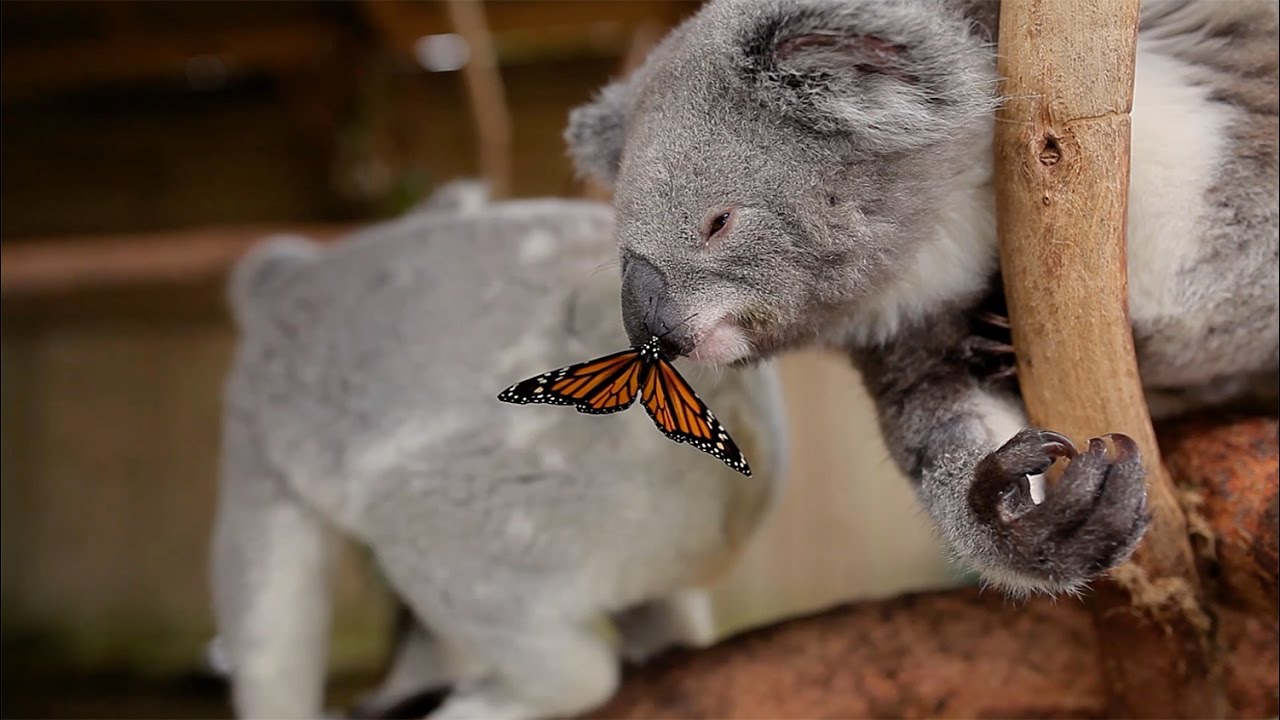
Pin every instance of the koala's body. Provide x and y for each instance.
(362, 400)
(819, 172)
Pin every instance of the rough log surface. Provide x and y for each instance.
(1230, 477)
(969, 653)
(959, 654)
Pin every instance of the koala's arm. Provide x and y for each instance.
(966, 447)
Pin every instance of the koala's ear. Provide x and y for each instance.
(597, 131)
(890, 75)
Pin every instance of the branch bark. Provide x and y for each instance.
(1062, 176)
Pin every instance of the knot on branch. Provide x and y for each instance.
(1050, 152)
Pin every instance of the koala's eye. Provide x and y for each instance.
(716, 223)
(719, 222)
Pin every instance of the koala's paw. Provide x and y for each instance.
(1089, 521)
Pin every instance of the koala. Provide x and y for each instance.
(536, 546)
(819, 173)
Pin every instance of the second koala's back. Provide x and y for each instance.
(389, 349)
(363, 394)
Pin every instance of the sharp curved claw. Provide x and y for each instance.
(1058, 445)
(991, 318)
(987, 346)
(1125, 447)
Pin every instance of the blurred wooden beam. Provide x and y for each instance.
(128, 53)
(52, 266)
(562, 17)
(158, 56)
(1062, 178)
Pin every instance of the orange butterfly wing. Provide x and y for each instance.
(682, 416)
(604, 385)
(612, 383)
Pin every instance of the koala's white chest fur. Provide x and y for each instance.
(1178, 142)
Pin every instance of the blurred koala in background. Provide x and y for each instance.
(362, 401)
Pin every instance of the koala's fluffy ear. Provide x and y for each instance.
(597, 131)
(890, 75)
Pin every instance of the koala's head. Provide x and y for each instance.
(777, 162)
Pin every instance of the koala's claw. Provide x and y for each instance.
(976, 346)
(988, 350)
(1089, 521)
(1057, 445)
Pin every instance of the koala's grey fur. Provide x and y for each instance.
(801, 172)
(363, 400)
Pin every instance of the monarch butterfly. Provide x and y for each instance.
(612, 383)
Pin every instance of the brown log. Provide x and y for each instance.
(1062, 175)
(957, 654)
(1230, 477)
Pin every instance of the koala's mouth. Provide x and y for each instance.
(723, 343)
(739, 338)
(749, 336)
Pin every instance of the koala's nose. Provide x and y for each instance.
(648, 310)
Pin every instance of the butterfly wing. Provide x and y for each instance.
(604, 385)
(682, 416)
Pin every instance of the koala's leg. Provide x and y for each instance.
(527, 659)
(421, 665)
(271, 561)
(682, 619)
(976, 468)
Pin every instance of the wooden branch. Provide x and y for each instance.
(1062, 164)
(61, 265)
(486, 95)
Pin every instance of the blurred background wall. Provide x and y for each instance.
(144, 145)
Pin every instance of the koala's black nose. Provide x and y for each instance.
(648, 309)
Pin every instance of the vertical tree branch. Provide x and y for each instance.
(1062, 177)
(485, 91)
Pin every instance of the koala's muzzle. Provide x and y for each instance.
(648, 309)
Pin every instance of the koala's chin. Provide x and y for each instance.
(724, 344)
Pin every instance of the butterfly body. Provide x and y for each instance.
(612, 383)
